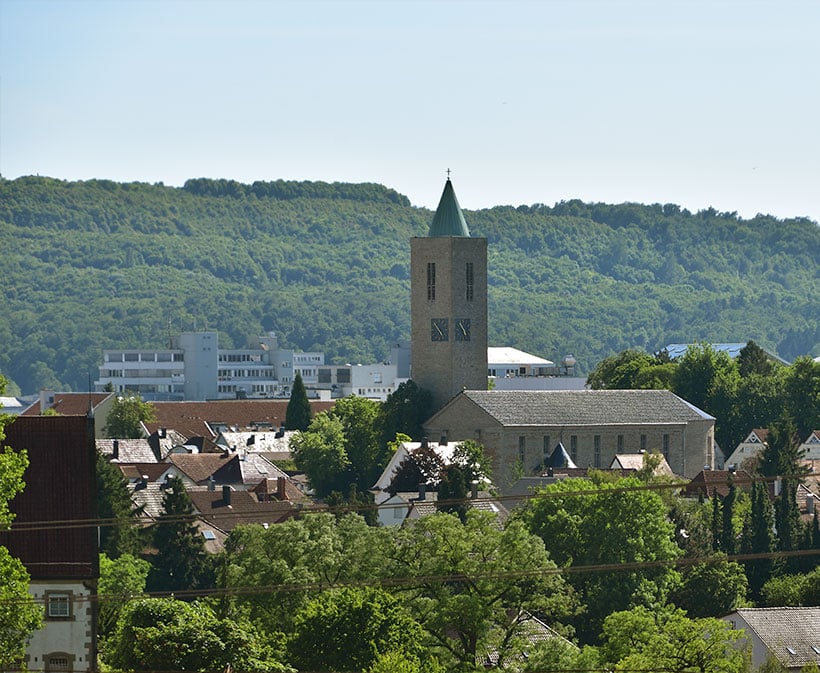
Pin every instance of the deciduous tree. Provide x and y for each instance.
(348, 629)
(473, 586)
(126, 415)
(597, 522)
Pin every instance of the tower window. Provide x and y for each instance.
(469, 281)
(431, 281)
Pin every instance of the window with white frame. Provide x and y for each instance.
(58, 605)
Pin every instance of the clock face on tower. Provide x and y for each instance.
(439, 329)
(462, 329)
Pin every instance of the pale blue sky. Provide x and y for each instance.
(711, 103)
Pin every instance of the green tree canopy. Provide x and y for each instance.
(320, 452)
(121, 580)
(473, 586)
(348, 629)
(170, 635)
(126, 415)
(301, 556)
(641, 639)
(589, 523)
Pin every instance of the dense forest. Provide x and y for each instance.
(99, 264)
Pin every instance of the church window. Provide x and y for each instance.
(573, 448)
(620, 443)
(431, 281)
(597, 446)
(643, 442)
(521, 446)
(469, 281)
(666, 446)
(546, 446)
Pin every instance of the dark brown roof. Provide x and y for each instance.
(244, 509)
(706, 482)
(199, 466)
(198, 419)
(60, 488)
(70, 404)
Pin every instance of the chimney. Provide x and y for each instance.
(211, 483)
(422, 490)
(424, 443)
(442, 440)
(142, 483)
(281, 488)
(161, 433)
(474, 489)
(115, 451)
(226, 495)
(809, 503)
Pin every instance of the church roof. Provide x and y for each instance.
(448, 220)
(583, 407)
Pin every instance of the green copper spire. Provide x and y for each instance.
(448, 220)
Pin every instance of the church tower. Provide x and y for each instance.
(448, 305)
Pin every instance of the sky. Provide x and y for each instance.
(712, 103)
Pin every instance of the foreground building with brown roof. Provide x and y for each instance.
(52, 536)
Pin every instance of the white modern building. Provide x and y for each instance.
(195, 368)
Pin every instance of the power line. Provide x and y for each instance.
(314, 508)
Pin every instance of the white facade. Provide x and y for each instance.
(371, 381)
(64, 643)
(195, 368)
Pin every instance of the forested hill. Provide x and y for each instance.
(98, 264)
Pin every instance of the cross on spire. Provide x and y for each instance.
(448, 173)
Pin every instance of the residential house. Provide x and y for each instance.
(708, 482)
(747, 451)
(519, 429)
(399, 500)
(97, 405)
(62, 556)
(789, 635)
(210, 419)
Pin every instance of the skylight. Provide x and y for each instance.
(208, 535)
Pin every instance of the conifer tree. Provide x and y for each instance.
(181, 562)
(727, 542)
(297, 416)
(119, 533)
(452, 492)
(759, 538)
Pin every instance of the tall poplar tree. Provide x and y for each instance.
(297, 416)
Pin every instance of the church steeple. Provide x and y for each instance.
(448, 220)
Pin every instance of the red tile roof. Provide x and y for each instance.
(709, 481)
(198, 419)
(60, 489)
(70, 404)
